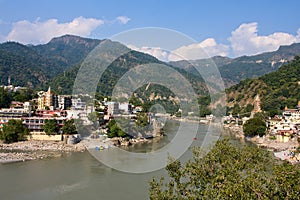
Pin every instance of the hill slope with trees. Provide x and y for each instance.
(277, 89)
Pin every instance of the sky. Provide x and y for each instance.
(227, 28)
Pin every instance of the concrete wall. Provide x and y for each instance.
(45, 137)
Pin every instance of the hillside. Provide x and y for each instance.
(277, 89)
(64, 82)
(241, 68)
(67, 50)
(34, 66)
(24, 65)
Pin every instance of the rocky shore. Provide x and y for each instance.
(43, 146)
(32, 150)
(281, 150)
(21, 157)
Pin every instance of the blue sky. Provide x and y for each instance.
(212, 22)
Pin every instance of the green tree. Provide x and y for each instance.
(51, 127)
(236, 109)
(228, 172)
(69, 127)
(114, 130)
(254, 126)
(142, 119)
(5, 98)
(13, 131)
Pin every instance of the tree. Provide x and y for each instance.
(114, 130)
(51, 127)
(142, 119)
(69, 127)
(5, 98)
(228, 172)
(13, 131)
(236, 109)
(254, 126)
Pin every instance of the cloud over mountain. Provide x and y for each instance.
(38, 32)
(246, 41)
(204, 49)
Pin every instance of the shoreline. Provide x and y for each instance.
(281, 150)
(35, 150)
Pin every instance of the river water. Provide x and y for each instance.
(81, 176)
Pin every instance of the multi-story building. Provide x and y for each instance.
(35, 124)
(52, 101)
(45, 99)
(7, 114)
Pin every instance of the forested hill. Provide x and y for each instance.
(277, 89)
(64, 82)
(237, 69)
(34, 66)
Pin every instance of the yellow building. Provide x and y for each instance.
(45, 99)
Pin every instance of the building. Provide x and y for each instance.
(17, 112)
(292, 114)
(35, 124)
(286, 126)
(125, 108)
(77, 104)
(45, 99)
(113, 108)
(48, 100)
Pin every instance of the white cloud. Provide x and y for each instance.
(123, 19)
(43, 31)
(246, 41)
(204, 49)
(243, 41)
(157, 52)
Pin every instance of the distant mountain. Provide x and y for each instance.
(276, 89)
(148, 94)
(235, 70)
(67, 50)
(34, 66)
(64, 82)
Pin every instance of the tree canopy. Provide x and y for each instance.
(254, 126)
(229, 172)
(114, 130)
(51, 127)
(13, 131)
(69, 127)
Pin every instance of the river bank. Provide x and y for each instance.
(33, 150)
(281, 150)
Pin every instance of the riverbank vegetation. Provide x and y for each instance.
(229, 172)
(13, 131)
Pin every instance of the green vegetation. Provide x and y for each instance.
(69, 127)
(277, 89)
(35, 66)
(235, 70)
(229, 172)
(13, 131)
(5, 98)
(142, 119)
(51, 127)
(114, 130)
(255, 126)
